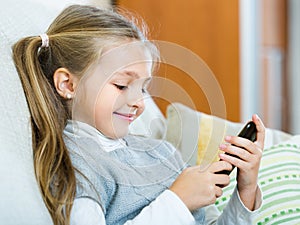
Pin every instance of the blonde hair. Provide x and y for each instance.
(76, 38)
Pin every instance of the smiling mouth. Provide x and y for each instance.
(124, 116)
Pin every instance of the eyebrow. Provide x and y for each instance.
(132, 74)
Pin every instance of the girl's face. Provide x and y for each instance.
(111, 96)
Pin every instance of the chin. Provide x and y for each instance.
(119, 134)
(120, 129)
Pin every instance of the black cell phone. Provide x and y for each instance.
(249, 132)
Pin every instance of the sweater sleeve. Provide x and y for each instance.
(86, 211)
(166, 209)
(235, 213)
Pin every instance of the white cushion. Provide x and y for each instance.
(186, 127)
(21, 201)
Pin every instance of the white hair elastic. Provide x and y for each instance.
(45, 40)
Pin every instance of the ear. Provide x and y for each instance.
(65, 83)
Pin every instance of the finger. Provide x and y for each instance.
(218, 191)
(221, 180)
(239, 142)
(236, 151)
(219, 166)
(234, 161)
(260, 130)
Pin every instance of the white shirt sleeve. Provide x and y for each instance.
(166, 209)
(86, 211)
(235, 212)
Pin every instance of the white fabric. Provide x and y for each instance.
(21, 202)
(86, 130)
(183, 128)
(235, 212)
(18, 189)
(86, 211)
(167, 209)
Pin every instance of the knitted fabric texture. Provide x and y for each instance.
(127, 179)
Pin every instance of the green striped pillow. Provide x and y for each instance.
(279, 179)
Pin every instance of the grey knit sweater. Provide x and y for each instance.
(127, 179)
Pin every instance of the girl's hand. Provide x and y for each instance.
(247, 163)
(198, 188)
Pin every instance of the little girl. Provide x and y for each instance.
(85, 81)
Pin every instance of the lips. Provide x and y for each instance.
(125, 116)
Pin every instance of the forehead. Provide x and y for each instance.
(128, 55)
(131, 57)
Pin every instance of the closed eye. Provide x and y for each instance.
(121, 87)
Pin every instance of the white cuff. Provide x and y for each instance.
(236, 212)
(86, 211)
(178, 206)
(258, 200)
(167, 209)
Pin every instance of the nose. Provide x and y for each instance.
(135, 99)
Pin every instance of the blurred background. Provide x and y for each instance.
(251, 46)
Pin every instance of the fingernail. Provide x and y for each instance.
(222, 146)
(222, 156)
(227, 138)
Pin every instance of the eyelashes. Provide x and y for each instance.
(124, 87)
(121, 87)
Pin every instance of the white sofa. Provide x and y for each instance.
(21, 202)
(20, 199)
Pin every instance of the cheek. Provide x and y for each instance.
(106, 103)
(141, 108)
(103, 116)
(103, 105)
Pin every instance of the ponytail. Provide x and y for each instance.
(53, 168)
